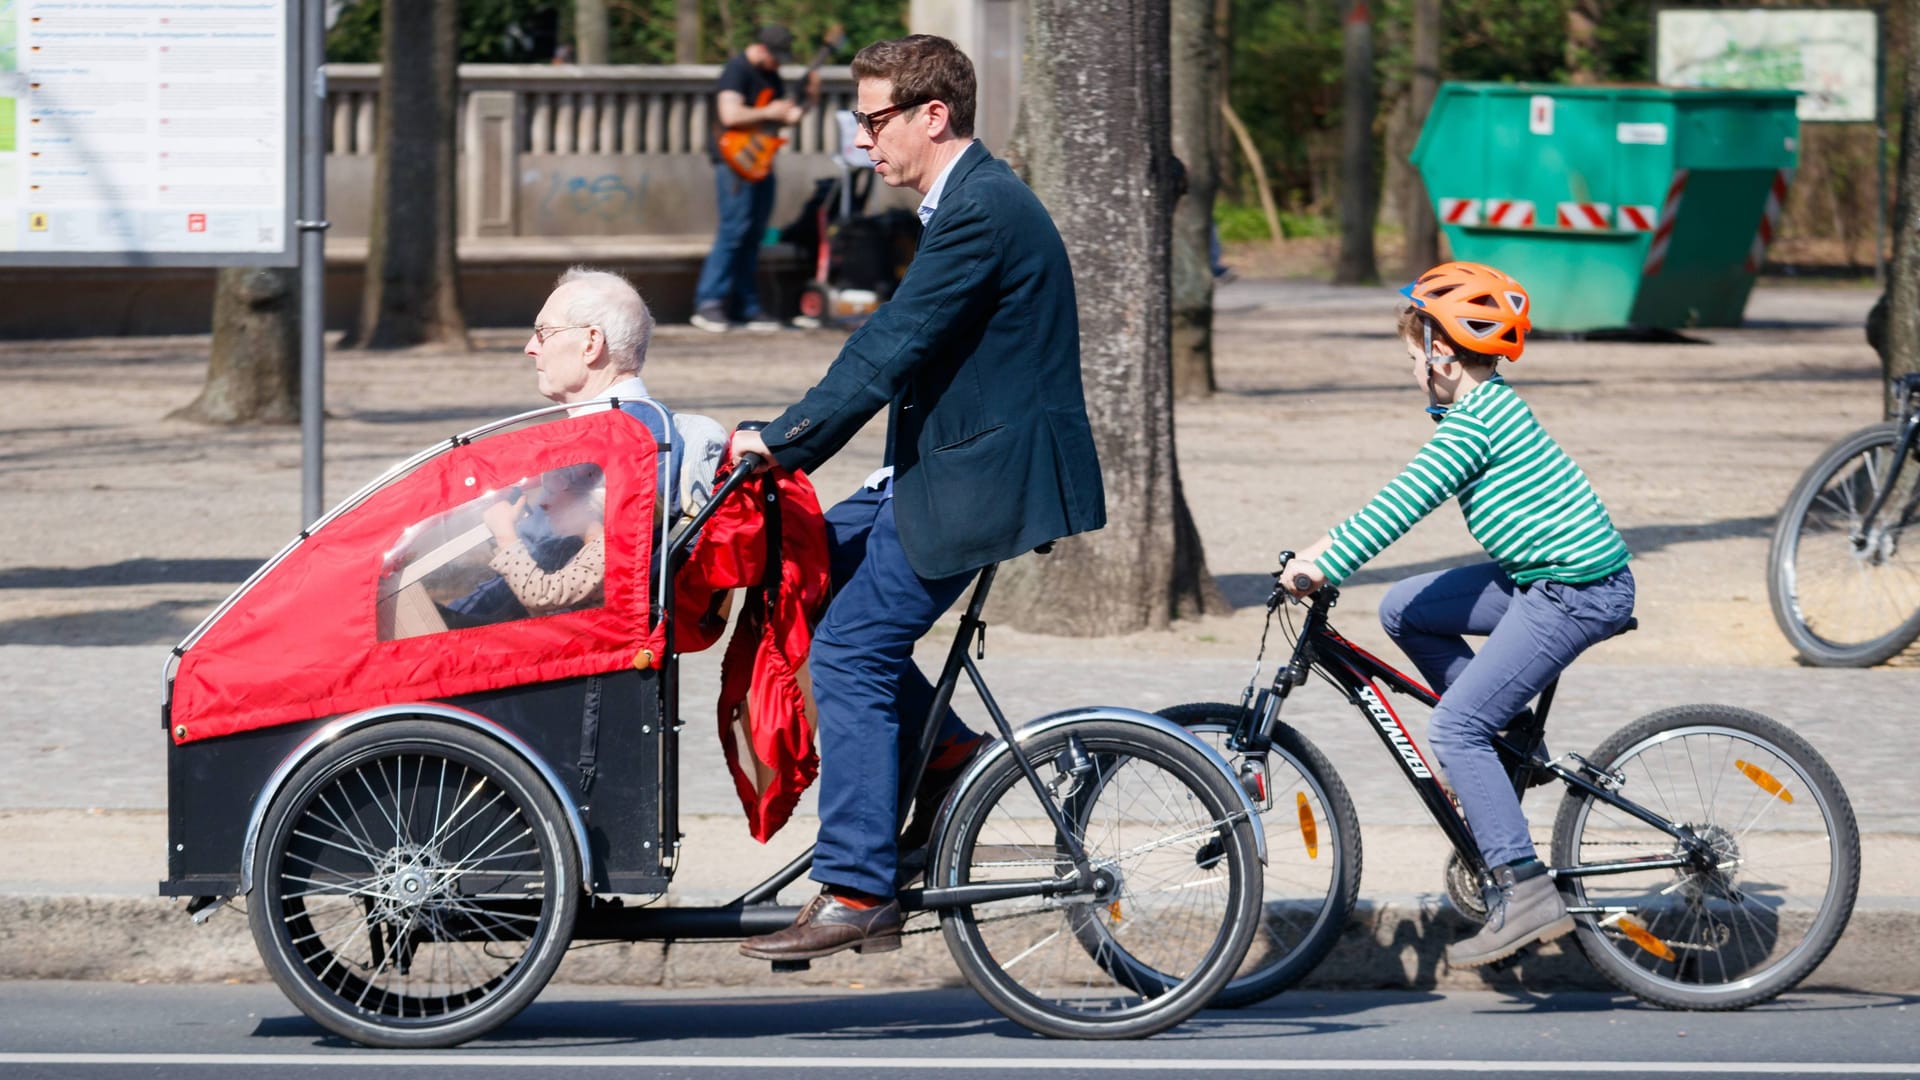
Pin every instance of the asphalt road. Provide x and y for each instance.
(98, 1030)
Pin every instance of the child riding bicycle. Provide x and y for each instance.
(1558, 581)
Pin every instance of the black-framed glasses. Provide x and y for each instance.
(542, 333)
(872, 122)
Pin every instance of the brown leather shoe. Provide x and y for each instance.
(827, 926)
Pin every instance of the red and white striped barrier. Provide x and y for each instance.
(1637, 218)
(1663, 229)
(1769, 220)
(1510, 213)
(1460, 211)
(1585, 215)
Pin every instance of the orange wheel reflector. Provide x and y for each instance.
(1639, 936)
(1113, 911)
(1765, 780)
(1309, 832)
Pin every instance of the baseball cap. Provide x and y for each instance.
(779, 40)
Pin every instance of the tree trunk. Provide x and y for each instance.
(686, 31)
(1100, 158)
(590, 31)
(1358, 196)
(253, 372)
(1196, 132)
(1582, 57)
(1898, 312)
(1423, 231)
(412, 294)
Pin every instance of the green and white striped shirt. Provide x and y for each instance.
(1524, 499)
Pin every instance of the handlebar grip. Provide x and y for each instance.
(1302, 582)
(749, 462)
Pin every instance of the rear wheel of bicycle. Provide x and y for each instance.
(1168, 836)
(1760, 909)
(414, 886)
(1845, 597)
(1313, 856)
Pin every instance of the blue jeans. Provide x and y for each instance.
(872, 697)
(729, 276)
(1533, 633)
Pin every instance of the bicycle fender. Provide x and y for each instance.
(352, 722)
(1055, 721)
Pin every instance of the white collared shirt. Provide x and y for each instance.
(932, 202)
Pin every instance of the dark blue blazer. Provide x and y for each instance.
(978, 357)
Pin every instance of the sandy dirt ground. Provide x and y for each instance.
(121, 527)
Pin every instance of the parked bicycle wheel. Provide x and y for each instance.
(1166, 830)
(414, 886)
(1313, 856)
(1848, 596)
(1754, 916)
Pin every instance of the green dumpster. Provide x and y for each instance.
(1616, 206)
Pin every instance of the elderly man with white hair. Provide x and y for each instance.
(589, 342)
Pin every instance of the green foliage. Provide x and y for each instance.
(1246, 221)
(641, 31)
(491, 31)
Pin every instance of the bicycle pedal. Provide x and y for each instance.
(783, 966)
(1506, 962)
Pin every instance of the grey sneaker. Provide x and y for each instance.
(712, 320)
(762, 324)
(1521, 911)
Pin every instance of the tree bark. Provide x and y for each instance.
(1196, 132)
(1423, 231)
(412, 294)
(1097, 128)
(1898, 313)
(1582, 57)
(253, 371)
(1358, 186)
(590, 32)
(686, 31)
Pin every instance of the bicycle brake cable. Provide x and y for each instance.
(1246, 696)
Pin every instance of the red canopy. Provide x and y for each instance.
(306, 640)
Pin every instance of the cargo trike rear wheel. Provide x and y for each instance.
(414, 885)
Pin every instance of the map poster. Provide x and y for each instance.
(146, 132)
(1830, 55)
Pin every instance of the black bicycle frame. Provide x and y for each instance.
(1907, 389)
(1360, 675)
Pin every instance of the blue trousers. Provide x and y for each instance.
(730, 275)
(872, 697)
(1532, 633)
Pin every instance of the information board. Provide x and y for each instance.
(147, 132)
(1830, 55)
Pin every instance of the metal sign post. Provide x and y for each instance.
(312, 226)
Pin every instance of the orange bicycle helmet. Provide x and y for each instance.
(1480, 308)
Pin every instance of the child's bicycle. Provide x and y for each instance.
(1843, 589)
(1708, 854)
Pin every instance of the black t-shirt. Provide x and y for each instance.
(743, 78)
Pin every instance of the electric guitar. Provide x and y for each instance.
(749, 150)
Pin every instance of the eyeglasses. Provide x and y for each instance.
(874, 121)
(542, 333)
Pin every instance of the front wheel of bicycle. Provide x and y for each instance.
(415, 885)
(1178, 863)
(1313, 855)
(1760, 902)
(1844, 595)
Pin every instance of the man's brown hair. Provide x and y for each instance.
(923, 67)
(1411, 321)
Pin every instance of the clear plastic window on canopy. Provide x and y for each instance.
(537, 548)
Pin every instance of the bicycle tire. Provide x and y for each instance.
(398, 926)
(1783, 880)
(1312, 877)
(1842, 604)
(1165, 823)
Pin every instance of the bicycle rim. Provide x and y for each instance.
(1786, 862)
(1138, 958)
(1847, 595)
(409, 889)
(1312, 872)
